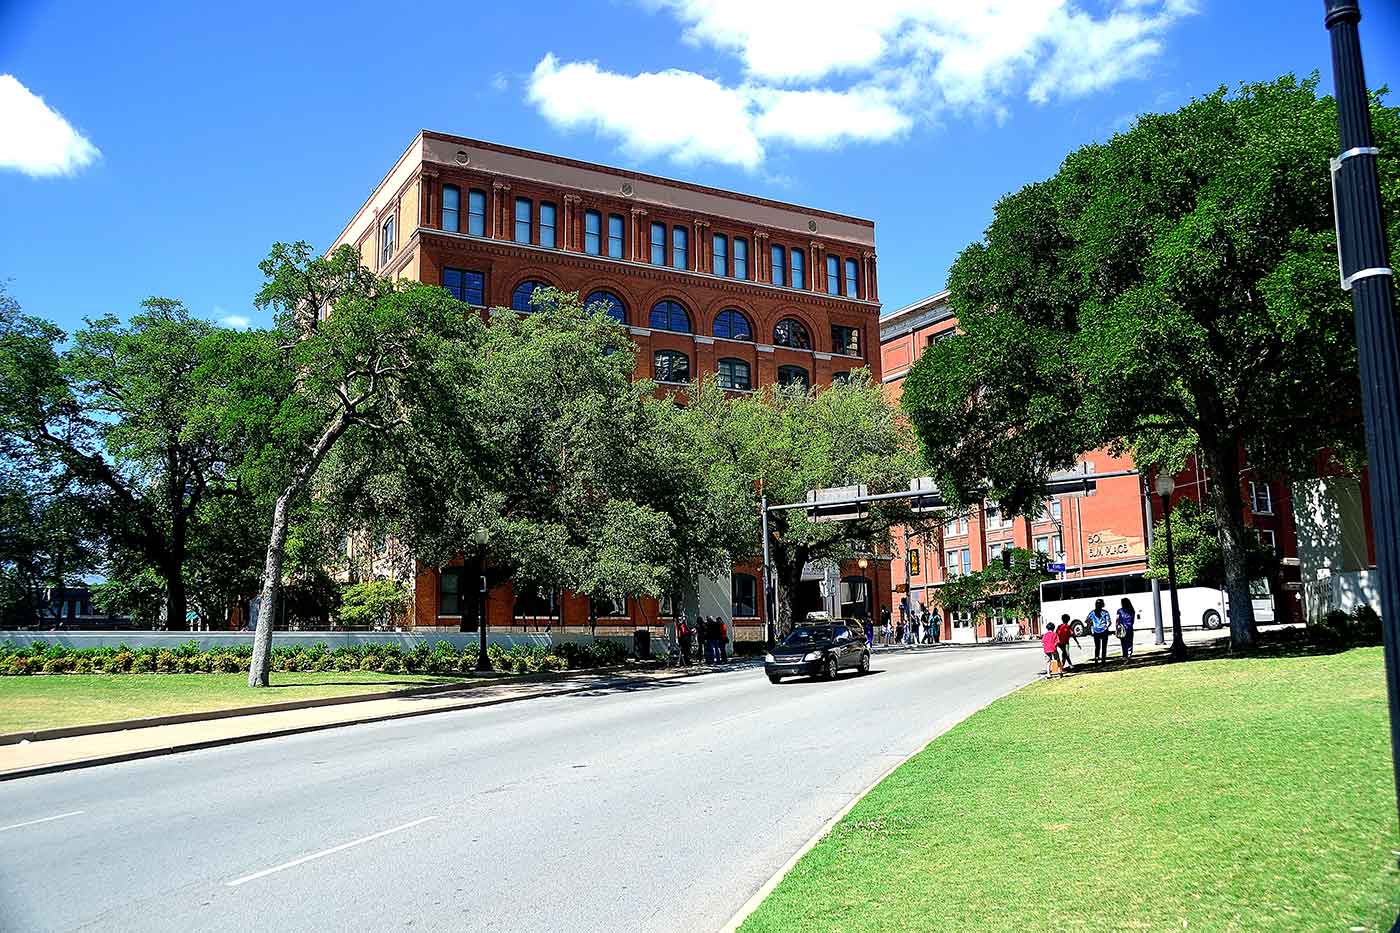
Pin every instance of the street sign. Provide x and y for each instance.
(1055, 568)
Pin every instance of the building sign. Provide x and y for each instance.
(1107, 545)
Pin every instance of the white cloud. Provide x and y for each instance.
(235, 321)
(822, 73)
(499, 81)
(36, 139)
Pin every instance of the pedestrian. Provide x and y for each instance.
(913, 636)
(1063, 634)
(1098, 627)
(1050, 643)
(934, 623)
(1126, 617)
(683, 635)
(869, 628)
(722, 630)
(885, 626)
(702, 631)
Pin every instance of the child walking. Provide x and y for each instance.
(1051, 643)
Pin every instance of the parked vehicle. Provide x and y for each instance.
(1201, 606)
(820, 650)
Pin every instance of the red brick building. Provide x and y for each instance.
(708, 281)
(1092, 535)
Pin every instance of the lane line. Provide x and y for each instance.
(43, 820)
(324, 852)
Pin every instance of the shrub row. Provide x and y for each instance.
(439, 658)
(1338, 629)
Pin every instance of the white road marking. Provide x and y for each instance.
(331, 851)
(42, 820)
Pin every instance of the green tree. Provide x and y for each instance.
(1171, 290)
(47, 539)
(1200, 559)
(785, 442)
(350, 355)
(125, 414)
(372, 603)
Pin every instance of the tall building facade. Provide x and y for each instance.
(1101, 533)
(707, 281)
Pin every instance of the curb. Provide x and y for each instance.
(765, 889)
(299, 730)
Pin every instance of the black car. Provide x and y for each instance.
(817, 651)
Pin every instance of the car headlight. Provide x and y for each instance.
(812, 656)
(768, 658)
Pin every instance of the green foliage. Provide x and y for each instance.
(1015, 591)
(1170, 290)
(1200, 560)
(372, 603)
(440, 658)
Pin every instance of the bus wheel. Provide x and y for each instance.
(1211, 619)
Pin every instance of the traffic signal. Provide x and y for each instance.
(914, 562)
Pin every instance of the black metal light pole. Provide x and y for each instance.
(1166, 485)
(483, 661)
(1365, 271)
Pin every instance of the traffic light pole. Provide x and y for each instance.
(1365, 272)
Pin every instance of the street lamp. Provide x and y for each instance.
(1165, 486)
(483, 663)
(865, 584)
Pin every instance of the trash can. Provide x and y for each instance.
(641, 643)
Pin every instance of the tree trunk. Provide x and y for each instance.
(789, 580)
(176, 600)
(271, 589)
(1224, 460)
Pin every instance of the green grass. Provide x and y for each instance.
(1226, 794)
(51, 701)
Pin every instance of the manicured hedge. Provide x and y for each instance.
(440, 658)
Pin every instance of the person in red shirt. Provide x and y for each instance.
(1063, 633)
(1050, 641)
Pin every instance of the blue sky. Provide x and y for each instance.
(173, 146)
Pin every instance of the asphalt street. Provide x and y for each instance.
(641, 807)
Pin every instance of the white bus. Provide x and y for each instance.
(1201, 606)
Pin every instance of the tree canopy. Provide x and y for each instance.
(1172, 290)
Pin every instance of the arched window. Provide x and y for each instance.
(669, 315)
(743, 590)
(521, 298)
(734, 374)
(615, 308)
(790, 333)
(670, 366)
(794, 376)
(732, 323)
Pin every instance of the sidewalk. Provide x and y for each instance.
(83, 751)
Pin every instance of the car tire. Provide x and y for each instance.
(832, 668)
(774, 679)
(1211, 620)
(1078, 629)
(865, 662)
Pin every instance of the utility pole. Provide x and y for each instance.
(1365, 271)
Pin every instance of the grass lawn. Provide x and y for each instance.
(1224, 794)
(50, 701)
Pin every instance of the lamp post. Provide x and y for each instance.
(1165, 486)
(865, 584)
(1157, 636)
(479, 538)
(1366, 273)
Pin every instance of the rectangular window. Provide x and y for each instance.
(547, 224)
(592, 233)
(845, 340)
(744, 589)
(1266, 537)
(387, 242)
(680, 248)
(450, 591)
(451, 208)
(734, 374)
(955, 526)
(615, 229)
(799, 269)
(779, 266)
(966, 560)
(833, 275)
(852, 291)
(476, 213)
(465, 285)
(720, 254)
(524, 220)
(994, 551)
(658, 244)
(1057, 548)
(1042, 544)
(741, 258)
(1261, 498)
(951, 564)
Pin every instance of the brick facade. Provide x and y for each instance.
(411, 198)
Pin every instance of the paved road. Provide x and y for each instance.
(656, 808)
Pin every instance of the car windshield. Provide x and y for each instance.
(808, 634)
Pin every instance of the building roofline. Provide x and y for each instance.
(415, 143)
(916, 314)
(645, 176)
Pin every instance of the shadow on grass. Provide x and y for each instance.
(1284, 643)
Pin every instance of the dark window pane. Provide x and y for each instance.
(741, 258)
(547, 224)
(615, 229)
(731, 323)
(794, 376)
(521, 298)
(592, 233)
(669, 315)
(845, 340)
(476, 213)
(734, 374)
(744, 589)
(658, 244)
(615, 309)
(465, 285)
(680, 254)
(524, 209)
(670, 366)
(851, 282)
(790, 333)
(720, 254)
(779, 266)
(799, 269)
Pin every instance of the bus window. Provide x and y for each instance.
(1135, 583)
(1112, 587)
(1051, 591)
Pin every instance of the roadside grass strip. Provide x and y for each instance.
(1222, 794)
(50, 702)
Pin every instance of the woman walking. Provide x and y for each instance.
(1098, 627)
(1126, 617)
